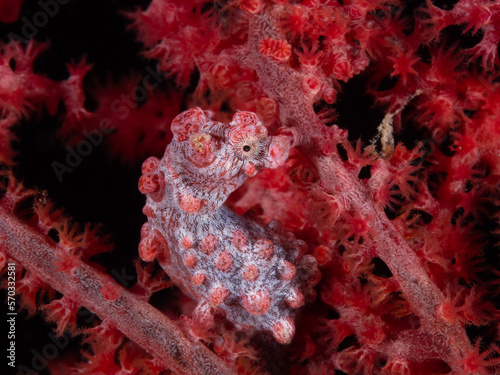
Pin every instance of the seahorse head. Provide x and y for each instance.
(218, 157)
(204, 141)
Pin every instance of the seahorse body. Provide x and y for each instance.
(256, 275)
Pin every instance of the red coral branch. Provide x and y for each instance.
(129, 313)
(405, 237)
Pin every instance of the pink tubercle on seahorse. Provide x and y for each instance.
(256, 275)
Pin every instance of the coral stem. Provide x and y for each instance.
(134, 317)
(418, 289)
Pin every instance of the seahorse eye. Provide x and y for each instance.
(249, 148)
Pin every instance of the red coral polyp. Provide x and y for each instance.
(278, 50)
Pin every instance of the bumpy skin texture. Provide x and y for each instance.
(256, 275)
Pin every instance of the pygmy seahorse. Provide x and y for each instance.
(256, 275)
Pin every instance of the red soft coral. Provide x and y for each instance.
(406, 236)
